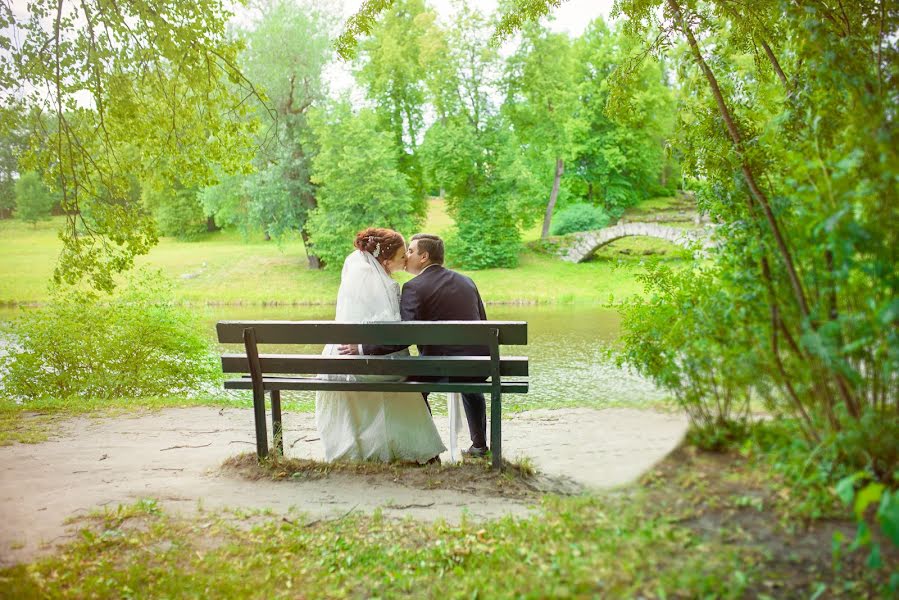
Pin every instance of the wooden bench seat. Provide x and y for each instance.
(273, 373)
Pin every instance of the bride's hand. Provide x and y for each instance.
(348, 349)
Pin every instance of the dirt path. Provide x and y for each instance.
(175, 455)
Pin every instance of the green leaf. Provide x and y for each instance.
(845, 488)
(869, 494)
(888, 515)
(874, 561)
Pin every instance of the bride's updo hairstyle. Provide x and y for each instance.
(379, 242)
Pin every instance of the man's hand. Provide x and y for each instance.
(348, 349)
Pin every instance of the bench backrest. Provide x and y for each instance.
(464, 333)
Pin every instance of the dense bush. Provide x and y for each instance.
(688, 339)
(33, 200)
(136, 343)
(579, 217)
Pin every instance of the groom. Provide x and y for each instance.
(439, 294)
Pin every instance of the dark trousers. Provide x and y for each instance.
(475, 413)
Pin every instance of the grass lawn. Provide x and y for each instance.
(698, 526)
(225, 268)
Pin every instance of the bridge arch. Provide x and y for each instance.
(585, 243)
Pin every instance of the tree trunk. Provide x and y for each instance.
(210, 224)
(553, 196)
(314, 261)
(775, 64)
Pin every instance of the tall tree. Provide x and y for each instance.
(621, 153)
(288, 47)
(122, 85)
(542, 103)
(393, 71)
(176, 208)
(12, 144)
(471, 152)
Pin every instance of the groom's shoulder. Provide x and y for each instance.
(460, 277)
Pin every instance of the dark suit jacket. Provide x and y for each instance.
(439, 294)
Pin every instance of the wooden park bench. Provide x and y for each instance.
(273, 373)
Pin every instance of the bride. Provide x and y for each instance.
(374, 426)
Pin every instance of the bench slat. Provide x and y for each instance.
(464, 333)
(455, 366)
(306, 384)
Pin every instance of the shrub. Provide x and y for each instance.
(33, 200)
(687, 338)
(486, 239)
(579, 217)
(135, 343)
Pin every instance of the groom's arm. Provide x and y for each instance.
(409, 311)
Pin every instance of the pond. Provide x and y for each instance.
(567, 350)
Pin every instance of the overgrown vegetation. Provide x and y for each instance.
(800, 306)
(133, 344)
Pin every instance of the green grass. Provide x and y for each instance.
(225, 268)
(699, 525)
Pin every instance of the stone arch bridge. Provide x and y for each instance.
(581, 245)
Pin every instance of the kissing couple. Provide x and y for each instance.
(397, 426)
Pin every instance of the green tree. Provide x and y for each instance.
(471, 151)
(118, 87)
(227, 202)
(621, 154)
(177, 209)
(803, 181)
(542, 104)
(12, 143)
(393, 72)
(287, 48)
(359, 182)
(33, 200)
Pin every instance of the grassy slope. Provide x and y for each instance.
(225, 268)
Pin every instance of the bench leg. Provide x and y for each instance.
(259, 418)
(277, 429)
(496, 438)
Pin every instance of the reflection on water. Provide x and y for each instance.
(566, 349)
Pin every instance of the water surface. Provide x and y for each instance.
(567, 351)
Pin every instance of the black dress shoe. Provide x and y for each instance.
(475, 452)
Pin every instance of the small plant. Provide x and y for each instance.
(860, 492)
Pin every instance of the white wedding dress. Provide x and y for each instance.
(372, 426)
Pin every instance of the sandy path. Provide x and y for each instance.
(106, 462)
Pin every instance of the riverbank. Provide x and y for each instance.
(224, 268)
